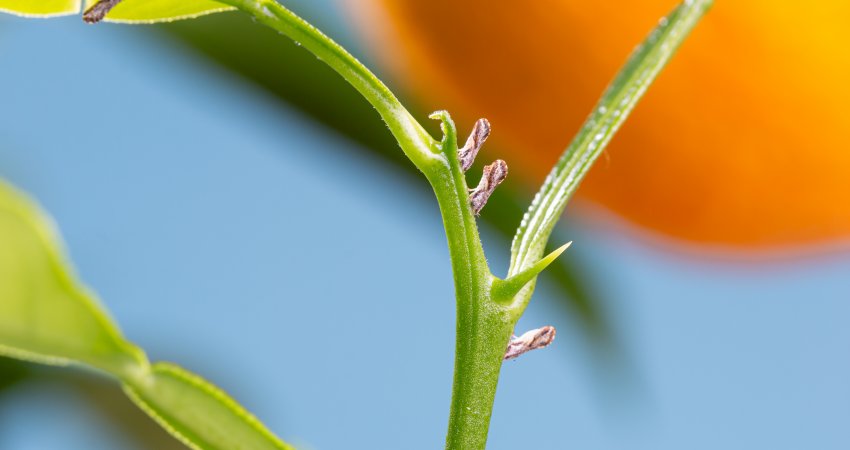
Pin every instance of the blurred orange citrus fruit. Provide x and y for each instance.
(744, 140)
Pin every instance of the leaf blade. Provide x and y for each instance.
(46, 315)
(154, 11)
(621, 96)
(40, 8)
(214, 421)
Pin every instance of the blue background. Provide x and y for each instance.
(311, 281)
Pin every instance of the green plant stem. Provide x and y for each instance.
(416, 143)
(483, 325)
(483, 331)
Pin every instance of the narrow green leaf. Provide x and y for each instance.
(151, 11)
(40, 8)
(197, 413)
(618, 101)
(505, 290)
(45, 314)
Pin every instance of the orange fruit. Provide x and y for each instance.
(743, 142)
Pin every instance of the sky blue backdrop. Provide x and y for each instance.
(311, 281)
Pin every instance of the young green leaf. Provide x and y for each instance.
(151, 11)
(618, 101)
(40, 8)
(46, 315)
(505, 290)
(197, 413)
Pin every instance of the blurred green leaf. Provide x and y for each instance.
(45, 314)
(11, 372)
(204, 416)
(151, 11)
(125, 11)
(40, 8)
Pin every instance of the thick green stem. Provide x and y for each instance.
(483, 331)
(483, 326)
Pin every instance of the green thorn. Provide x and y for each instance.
(505, 290)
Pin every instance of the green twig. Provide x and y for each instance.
(483, 326)
(413, 139)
